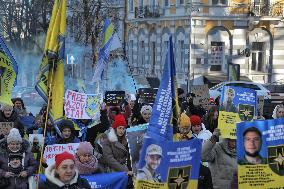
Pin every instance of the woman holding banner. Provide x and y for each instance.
(64, 174)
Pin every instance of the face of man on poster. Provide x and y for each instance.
(252, 143)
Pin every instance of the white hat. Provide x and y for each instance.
(146, 107)
(14, 136)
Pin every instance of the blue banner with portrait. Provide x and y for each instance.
(168, 164)
(237, 105)
(115, 180)
(260, 154)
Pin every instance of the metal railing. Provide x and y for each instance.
(147, 11)
(267, 9)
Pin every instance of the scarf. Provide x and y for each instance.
(87, 168)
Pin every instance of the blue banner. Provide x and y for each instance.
(159, 125)
(260, 154)
(237, 104)
(115, 180)
(168, 164)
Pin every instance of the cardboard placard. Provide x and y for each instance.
(5, 127)
(201, 95)
(113, 98)
(147, 95)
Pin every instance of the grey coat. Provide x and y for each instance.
(115, 153)
(222, 163)
(30, 165)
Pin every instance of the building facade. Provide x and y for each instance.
(207, 35)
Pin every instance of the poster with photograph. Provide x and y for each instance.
(172, 164)
(260, 154)
(237, 105)
(201, 95)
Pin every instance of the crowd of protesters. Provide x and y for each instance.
(104, 148)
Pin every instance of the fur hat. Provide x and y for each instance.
(184, 121)
(195, 120)
(7, 108)
(119, 120)
(63, 156)
(14, 136)
(66, 123)
(85, 148)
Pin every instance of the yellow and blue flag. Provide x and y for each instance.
(108, 31)
(8, 71)
(165, 106)
(51, 71)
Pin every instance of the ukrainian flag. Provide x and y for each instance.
(51, 71)
(8, 73)
(104, 50)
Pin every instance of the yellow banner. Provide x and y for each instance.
(227, 124)
(141, 184)
(258, 176)
(7, 79)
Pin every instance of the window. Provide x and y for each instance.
(180, 2)
(219, 2)
(130, 51)
(166, 3)
(153, 56)
(131, 6)
(258, 56)
(164, 54)
(180, 53)
(142, 54)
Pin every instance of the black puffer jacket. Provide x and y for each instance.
(53, 182)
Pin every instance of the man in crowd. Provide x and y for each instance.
(252, 145)
(153, 159)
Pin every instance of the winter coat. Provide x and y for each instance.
(53, 182)
(30, 165)
(15, 119)
(222, 163)
(87, 168)
(204, 179)
(115, 153)
(203, 134)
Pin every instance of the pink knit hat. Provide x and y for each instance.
(85, 148)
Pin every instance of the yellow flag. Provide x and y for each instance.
(51, 71)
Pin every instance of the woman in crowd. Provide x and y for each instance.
(278, 111)
(7, 114)
(115, 150)
(222, 160)
(64, 174)
(210, 120)
(19, 107)
(145, 115)
(68, 133)
(198, 129)
(85, 159)
(184, 128)
(16, 161)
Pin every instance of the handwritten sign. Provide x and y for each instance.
(260, 104)
(81, 105)
(50, 151)
(5, 127)
(201, 95)
(113, 98)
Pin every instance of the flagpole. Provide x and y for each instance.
(46, 120)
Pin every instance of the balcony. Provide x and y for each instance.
(267, 9)
(147, 12)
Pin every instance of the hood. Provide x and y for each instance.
(112, 137)
(50, 176)
(224, 145)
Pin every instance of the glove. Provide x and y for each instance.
(215, 136)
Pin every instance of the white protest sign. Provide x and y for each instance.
(201, 95)
(51, 150)
(82, 106)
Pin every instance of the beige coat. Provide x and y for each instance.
(222, 163)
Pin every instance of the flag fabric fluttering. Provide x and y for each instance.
(165, 106)
(8, 72)
(108, 31)
(51, 71)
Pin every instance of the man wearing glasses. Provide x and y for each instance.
(252, 145)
